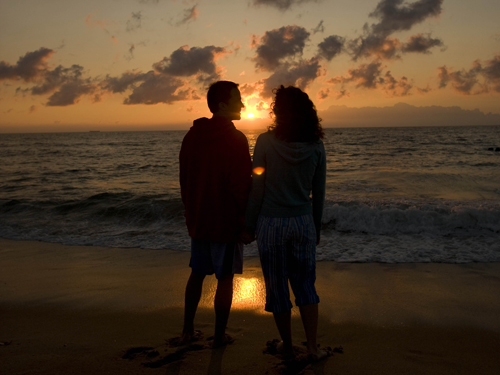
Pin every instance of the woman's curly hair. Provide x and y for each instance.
(295, 116)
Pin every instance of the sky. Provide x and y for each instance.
(70, 65)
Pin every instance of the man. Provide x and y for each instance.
(215, 178)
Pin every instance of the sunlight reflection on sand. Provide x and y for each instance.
(248, 293)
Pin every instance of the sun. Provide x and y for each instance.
(250, 115)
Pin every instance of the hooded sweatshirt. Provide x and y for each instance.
(292, 182)
(215, 178)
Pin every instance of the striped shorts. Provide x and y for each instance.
(287, 248)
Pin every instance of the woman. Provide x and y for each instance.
(285, 208)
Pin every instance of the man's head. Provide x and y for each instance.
(224, 100)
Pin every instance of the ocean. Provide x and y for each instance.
(426, 194)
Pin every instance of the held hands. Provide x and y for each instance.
(246, 237)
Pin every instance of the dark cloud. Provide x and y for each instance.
(278, 44)
(131, 50)
(189, 15)
(134, 22)
(54, 79)
(383, 47)
(331, 47)
(341, 94)
(248, 89)
(159, 88)
(66, 86)
(491, 72)
(70, 93)
(421, 43)
(186, 61)
(123, 83)
(299, 74)
(29, 67)
(393, 16)
(371, 76)
(366, 75)
(398, 15)
(323, 94)
(282, 4)
(481, 78)
(394, 87)
(320, 28)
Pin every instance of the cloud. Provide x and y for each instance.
(421, 44)
(299, 74)
(70, 93)
(149, 1)
(394, 87)
(463, 81)
(481, 78)
(131, 50)
(371, 76)
(261, 106)
(341, 94)
(366, 76)
(66, 84)
(331, 46)
(186, 61)
(54, 79)
(323, 94)
(123, 83)
(30, 67)
(398, 15)
(248, 89)
(393, 16)
(190, 14)
(159, 88)
(320, 28)
(33, 108)
(282, 4)
(134, 22)
(278, 44)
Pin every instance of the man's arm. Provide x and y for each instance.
(240, 177)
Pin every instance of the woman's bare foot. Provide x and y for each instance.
(319, 354)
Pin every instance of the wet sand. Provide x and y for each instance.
(77, 310)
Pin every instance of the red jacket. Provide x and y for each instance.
(215, 178)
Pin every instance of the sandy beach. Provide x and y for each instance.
(78, 310)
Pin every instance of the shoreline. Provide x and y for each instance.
(78, 309)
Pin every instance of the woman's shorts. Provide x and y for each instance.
(287, 248)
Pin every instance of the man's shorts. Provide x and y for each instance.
(287, 248)
(221, 258)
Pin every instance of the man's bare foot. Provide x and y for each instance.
(186, 338)
(221, 341)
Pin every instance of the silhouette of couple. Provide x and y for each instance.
(279, 205)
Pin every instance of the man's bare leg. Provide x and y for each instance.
(191, 299)
(309, 315)
(222, 304)
(284, 324)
